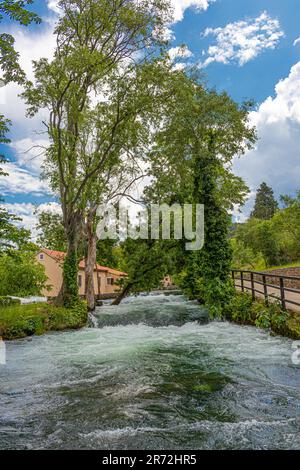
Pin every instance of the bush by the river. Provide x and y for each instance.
(21, 274)
(7, 301)
(19, 321)
(243, 310)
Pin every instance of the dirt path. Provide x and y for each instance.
(289, 296)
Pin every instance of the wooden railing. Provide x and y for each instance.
(251, 280)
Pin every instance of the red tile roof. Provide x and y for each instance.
(60, 255)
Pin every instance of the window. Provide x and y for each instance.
(79, 280)
(41, 256)
(110, 281)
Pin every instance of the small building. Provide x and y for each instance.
(105, 279)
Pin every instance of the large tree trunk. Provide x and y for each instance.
(91, 255)
(68, 295)
(122, 294)
(90, 262)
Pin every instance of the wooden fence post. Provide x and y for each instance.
(282, 293)
(252, 286)
(265, 289)
(242, 281)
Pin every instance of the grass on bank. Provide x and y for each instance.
(242, 309)
(261, 266)
(294, 264)
(19, 321)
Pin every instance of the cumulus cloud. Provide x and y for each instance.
(242, 41)
(31, 45)
(180, 52)
(28, 212)
(53, 6)
(296, 42)
(276, 158)
(180, 6)
(29, 153)
(21, 181)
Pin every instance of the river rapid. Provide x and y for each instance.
(152, 373)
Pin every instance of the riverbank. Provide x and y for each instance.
(243, 310)
(19, 321)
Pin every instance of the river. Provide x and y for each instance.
(151, 373)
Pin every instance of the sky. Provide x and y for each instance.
(249, 48)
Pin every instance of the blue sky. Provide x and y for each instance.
(248, 48)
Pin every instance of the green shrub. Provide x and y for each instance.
(243, 310)
(262, 315)
(18, 321)
(21, 274)
(6, 301)
(280, 320)
(61, 318)
(238, 308)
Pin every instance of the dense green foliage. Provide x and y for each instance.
(192, 164)
(7, 301)
(11, 236)
(265, 203)
(21, 274)
(147, 261)
(243, 310)
(99, 49)
(18, 321)
(51, 231)
(109, 253)
(274, 242)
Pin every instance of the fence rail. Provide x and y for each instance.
(252, 280)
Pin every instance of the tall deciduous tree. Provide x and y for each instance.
(204, 131)
(51, 233)
(95, 39)
(265, 203)
(146, 263)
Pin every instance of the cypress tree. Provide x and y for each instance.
(265, 203)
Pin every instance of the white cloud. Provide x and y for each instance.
(242, 41)
(29, 153)
(24, 172)
(178, 56)
(296, 42)
(21, 181)
(276, 158)
(28, 212)
(31, 46)
(180, 52)
(53, 6)
(180, 6)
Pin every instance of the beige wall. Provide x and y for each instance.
(102, 279)
(53, 270)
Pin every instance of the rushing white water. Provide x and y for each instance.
(151, 373)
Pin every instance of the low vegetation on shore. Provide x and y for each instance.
(242, 309)
(19, 321)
